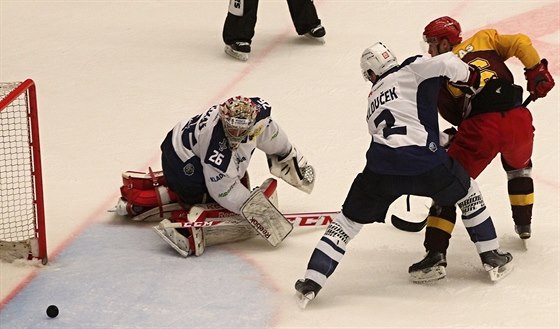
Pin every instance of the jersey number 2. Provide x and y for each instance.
(390, 128)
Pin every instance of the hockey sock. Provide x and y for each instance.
(440, 224)
(330, 248)
(477, 220)
(521, 195)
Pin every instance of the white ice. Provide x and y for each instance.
(114, 76)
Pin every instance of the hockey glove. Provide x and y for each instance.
(293, 169)
(539, 80)
(472, 85)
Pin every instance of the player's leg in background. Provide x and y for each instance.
(305, 18)
(239, 27)
(516, 155)
(521, 197)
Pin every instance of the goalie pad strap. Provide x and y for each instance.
(156, 186)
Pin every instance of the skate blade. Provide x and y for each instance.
(303, 300)
(320, 40)
(161, 233)
(236, 54)
(498, 273)
(434, 274)
(525, 244)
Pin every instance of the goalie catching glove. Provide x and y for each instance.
(293, 169)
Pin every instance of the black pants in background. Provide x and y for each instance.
(240, 26)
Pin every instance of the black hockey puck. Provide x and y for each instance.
(52, 311)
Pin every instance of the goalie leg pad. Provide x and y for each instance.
(192, 245)
(228, 234)
(143, 191)
(265, 218)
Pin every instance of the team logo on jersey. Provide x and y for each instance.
(225, 193)
(432, 146)
(238, 159)
(223, 145)
(255, 133)
(188, 169)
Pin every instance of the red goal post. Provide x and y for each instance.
(22, 213)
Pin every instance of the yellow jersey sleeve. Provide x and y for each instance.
(506, 46)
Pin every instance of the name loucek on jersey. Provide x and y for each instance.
(383, 98)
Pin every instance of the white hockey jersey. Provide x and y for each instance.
(402, 114)
(198, 149)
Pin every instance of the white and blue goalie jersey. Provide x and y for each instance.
(199, 148)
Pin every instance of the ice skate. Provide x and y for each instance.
(239, 50)
(497, 263)
(524, 232)
(429, 269)
(306, 291)
(317, 33)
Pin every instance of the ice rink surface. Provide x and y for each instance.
(113, 77)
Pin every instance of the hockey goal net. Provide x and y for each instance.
(22, 219)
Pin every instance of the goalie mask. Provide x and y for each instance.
(238, 115)
(377, 59)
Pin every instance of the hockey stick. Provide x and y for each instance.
(527, 101)
(407, 226)
(297, 219)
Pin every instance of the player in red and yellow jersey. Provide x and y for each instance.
(492, 121)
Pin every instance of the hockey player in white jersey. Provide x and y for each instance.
(205, 158)
(405, 157)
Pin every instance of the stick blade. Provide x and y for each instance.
(407, 226)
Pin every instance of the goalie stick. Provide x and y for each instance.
(297, 219)
(231, 221)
